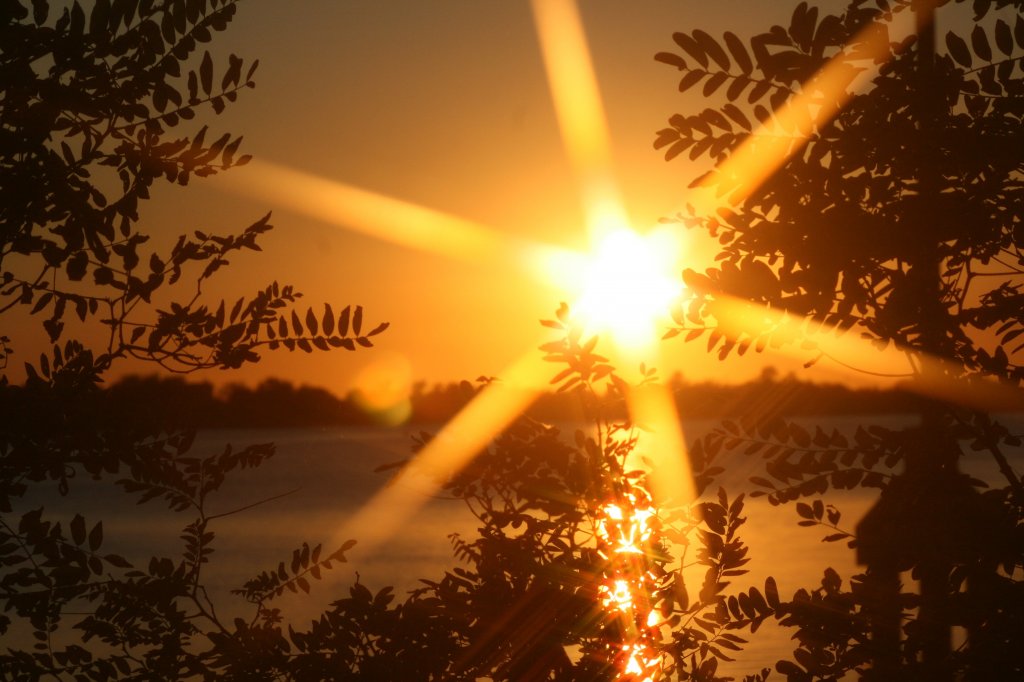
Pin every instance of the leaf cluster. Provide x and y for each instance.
(100, 103)
(837, 234)
(894, 219)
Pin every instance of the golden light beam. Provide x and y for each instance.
(796, 336)
(939, 378)
(469, 432)
(653, 408)
(581, 118)
(585, 134)
(773, 143)
(396, 221)
(927, 375)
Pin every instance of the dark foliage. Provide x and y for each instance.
(899, 219)
(90, 102)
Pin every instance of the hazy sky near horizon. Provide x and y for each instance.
(444, 104)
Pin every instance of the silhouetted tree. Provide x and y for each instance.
(898, 219)
(89, 102)
(530, 598)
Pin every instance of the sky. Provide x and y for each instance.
(444, 104)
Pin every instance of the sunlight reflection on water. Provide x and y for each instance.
(333, 472)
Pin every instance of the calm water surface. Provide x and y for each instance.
(331, 472)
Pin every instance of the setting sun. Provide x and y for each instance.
(628, 285)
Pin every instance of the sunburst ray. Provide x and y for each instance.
(802, 338)
(653, 407)
(581, 118)
(399, 222)
(774, 142)
(496, 406)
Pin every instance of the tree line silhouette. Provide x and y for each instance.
(277, 403)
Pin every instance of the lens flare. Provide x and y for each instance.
(383, 388)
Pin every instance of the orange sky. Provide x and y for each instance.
(444, 104)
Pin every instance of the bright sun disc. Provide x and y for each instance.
(629, 284)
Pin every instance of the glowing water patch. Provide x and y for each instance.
(625, 529)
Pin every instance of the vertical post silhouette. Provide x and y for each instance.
(928, 519)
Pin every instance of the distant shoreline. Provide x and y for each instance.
(276, 403)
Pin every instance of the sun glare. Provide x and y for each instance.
(628, 286)
(623, 288)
